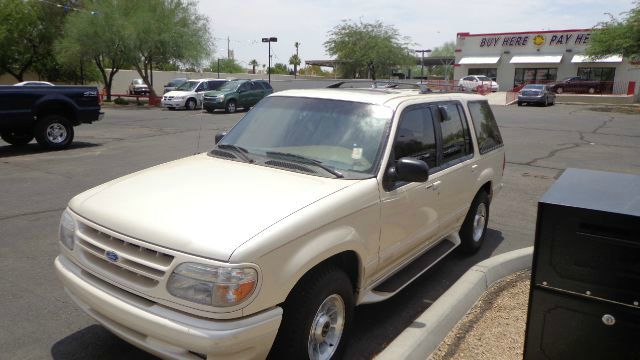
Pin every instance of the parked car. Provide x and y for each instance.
(190, 94)
(173, 84)
(48, 113)
(471, 83)
(577, 84)
(536, 94)
(237, 94)
(138, 87)
(34, 83)
(315, 202)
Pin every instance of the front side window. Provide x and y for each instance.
(485, 126)
(188, 86)
(345, 136)
(416, 137)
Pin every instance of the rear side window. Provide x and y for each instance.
(455, 134)
(484, 122)
(265, 85)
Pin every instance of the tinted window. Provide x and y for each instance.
(215, 85)
(485, 126)
(416, 136)
(255, 86)
(455, 135)
(202, 87)
(265, 85)
(244, 87)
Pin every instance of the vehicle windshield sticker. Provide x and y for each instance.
(356, 154)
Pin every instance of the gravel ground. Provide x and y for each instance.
(494, 328)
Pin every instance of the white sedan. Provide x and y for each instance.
(471, 83)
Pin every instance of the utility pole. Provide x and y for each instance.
(422, 62)
(295, 67)
(218, 68)
(269, 40)
(228, 48)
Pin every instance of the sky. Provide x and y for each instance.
(427, 23)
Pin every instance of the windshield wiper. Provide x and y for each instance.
(305, 160)
(239, 150)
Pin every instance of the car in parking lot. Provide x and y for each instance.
(314, 202)
(536, 94)
(138, 87)
(472, 82)
(173, 84)
(237, 94)
(190, 94)
(576, 84)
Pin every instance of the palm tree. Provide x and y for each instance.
(295, 61)
(253, 64)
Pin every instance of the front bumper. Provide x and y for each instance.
(173, 103)
(531, 99)
(165, 332)
(214, 103)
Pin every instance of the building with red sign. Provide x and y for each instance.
(513, 59)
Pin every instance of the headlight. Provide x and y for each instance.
(212, 285)
(220, 96)
(67, 230)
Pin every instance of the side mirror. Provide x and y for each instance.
(444, 114)
(411, 170)
(219, 136)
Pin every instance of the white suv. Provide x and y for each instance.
(190, 94)
(313, 203)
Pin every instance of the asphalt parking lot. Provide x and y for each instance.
(38, 320)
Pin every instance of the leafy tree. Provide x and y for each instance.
(617, 36)
(295, 61)
(99, 37)
(314, 70)
(163, 31)
(279, 68)
(446, 49)
(229, 66)
(253, 64)
(368, 49)
(27, 29)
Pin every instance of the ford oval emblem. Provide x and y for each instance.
(112, 256)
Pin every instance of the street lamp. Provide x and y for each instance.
(269, 40)
(422, 62)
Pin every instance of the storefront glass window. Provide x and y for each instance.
(534, 76)
(597, 73)
(491, 73)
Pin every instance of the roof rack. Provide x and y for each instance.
(380, 84)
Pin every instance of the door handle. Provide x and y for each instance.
(474, 168)
(434, 185)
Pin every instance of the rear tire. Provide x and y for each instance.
(317, 316)
(54, 132)
(17, 138)
(474, 227)
(559, 90)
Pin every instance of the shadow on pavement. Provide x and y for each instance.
(34, 148)
(96, 342)
(378, 324)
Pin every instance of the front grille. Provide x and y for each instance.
(167, 98)
(530, 93)
(135, 264)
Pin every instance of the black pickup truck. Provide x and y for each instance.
(47, 113)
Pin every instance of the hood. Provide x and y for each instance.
(214, 93)
(201, 205)
(140, 86)
(179, 93)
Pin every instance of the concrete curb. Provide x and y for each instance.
(426, 333)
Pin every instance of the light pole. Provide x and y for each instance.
(269, 40)
(422, 62)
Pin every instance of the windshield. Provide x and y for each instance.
(174, 83)
(230, 86)
(138, 82)
(533, 87)
(188, 86)
(483, 78)
(345, 136)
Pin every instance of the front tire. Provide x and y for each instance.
(54, 132)
(317, 317)
(231, 106)
(17, 138)
(591, 90)
(190, 104)
(474, 227)
(559, 90)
